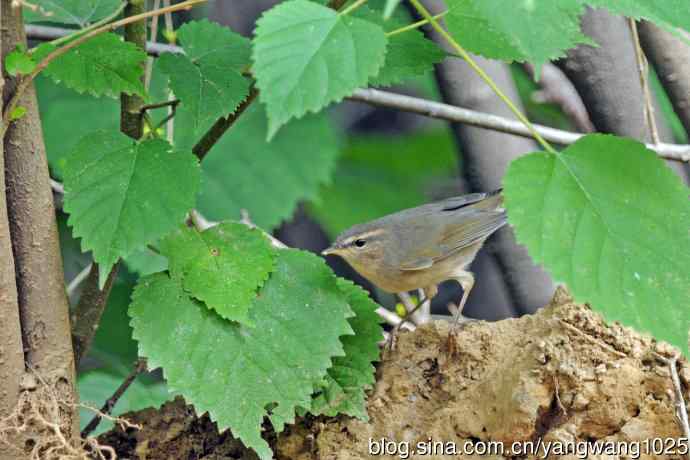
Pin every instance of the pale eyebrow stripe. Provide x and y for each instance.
(368, 234)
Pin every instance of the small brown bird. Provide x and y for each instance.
(423, 246)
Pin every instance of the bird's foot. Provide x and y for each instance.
(458, 325)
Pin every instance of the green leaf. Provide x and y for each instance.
(609, 218)
(103, 65)
(235, 372)
(223, 266)
(207, 78)
(17, 112)
(60, 106)
(353, 373)
(268, 179)
(122, 195)
(408, 54)
(19, 62)
(506, 30)
(78, 12)
(666, 13)
(207, 41)
(146, 262)
(307, 56)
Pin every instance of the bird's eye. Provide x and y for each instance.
(360, 243)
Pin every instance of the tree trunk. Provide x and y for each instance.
(608, 80)
(43, 304)
(671, 60)
(485, 158)
(11, 353)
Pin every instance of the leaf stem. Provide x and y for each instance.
(415, 25)
(26, 81)
(352, 7)
(483, 75)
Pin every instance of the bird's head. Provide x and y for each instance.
(362, 246)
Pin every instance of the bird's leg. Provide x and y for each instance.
(466, 280)
(411, 310)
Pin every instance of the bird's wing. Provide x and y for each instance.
(478, 225)
(457, 225)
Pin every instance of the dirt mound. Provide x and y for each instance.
(560, 376)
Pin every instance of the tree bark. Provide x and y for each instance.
(43, 305)
(11, 348)
(671, 60)
(485, 158)
(608, 80)
(606, 76)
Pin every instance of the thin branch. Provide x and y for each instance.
(77, 280)
(677, 152)
(393, 319)
(154, 35)
(354, 6)
(556, 88)
(670, 57)
(414, 25)
(678, 399)
(87, 314)
(484, 76)
(95, 25)
(246, 220)
(643, 70)
(222, 125)
(44, 33)
(26, 80)
(159, 105)
(336, 4)
(200, 222)
(110, 403)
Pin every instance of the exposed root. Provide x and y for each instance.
(38, 428)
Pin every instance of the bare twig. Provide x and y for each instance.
(95, 25)
(159, 105)
(643, 70)
(42, 33)
(448, 112)
(77, 280)
(246, 220)
(678, 399)
(222, 125)
(670, 57)
(200, 222)
(26, 80)
(557, 89)
(154, 36)
(110, 403)
(676, 152)
(87, 314)
(594, 340)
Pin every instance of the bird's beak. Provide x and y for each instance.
(327, 251)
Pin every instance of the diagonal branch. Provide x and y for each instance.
(677, 152)
(428, 108)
